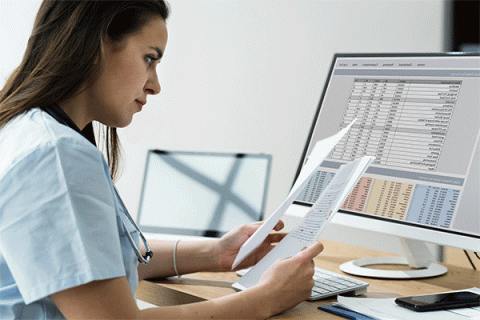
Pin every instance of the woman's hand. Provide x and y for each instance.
(289, 281)
(229, 245)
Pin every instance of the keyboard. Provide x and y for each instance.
(328, 284)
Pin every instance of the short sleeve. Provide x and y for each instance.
(58, 224)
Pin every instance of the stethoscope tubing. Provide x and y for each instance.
(148, 255)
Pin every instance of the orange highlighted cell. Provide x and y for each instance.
(389, 199)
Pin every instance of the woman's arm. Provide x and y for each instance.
(191, 256)
(209, 255)
(284, 285)
(112, 299)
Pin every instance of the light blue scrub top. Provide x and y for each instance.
(60, 218)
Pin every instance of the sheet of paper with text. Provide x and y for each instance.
(314, 222)
(320, 151)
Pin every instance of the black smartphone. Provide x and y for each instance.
(440, 301)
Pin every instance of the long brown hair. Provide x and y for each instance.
(65, 51)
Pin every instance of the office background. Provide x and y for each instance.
(246, 75)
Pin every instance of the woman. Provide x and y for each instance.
(67, 246)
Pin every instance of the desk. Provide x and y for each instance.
(201, 286)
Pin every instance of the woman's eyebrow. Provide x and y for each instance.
(159, 52)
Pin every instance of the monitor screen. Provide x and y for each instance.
(419, 116)
(202, 193)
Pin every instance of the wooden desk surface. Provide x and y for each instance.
(200, 286)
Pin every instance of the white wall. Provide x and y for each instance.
(16, 22)
(247, 75)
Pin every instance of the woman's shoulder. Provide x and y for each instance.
(36, 132)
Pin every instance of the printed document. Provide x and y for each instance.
(314, 222)
(320, 151)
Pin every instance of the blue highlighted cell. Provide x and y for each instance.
(433, 206)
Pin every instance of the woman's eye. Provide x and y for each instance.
(150, 60)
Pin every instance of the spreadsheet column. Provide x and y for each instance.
(401, 122)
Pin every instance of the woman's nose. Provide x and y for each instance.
(153, 85)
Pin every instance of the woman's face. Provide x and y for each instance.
(128, 76)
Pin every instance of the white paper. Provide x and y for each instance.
(387, 309)
(320, 151)
(314, 222)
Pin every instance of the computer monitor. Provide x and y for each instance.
(419, 116)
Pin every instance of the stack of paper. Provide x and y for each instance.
(387, 309)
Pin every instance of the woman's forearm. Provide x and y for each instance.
(190, 257)
(285, 284)
(250, 304)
